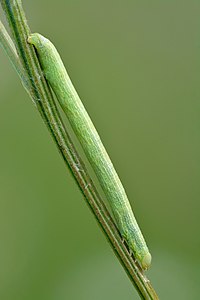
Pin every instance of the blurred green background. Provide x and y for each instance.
(136, 66)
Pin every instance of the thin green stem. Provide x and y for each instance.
(9, 47)
(42, 96)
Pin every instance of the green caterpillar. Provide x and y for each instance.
(57, 76)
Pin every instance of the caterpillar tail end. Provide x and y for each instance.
(37, 40)
(33, 38)
(146, 261)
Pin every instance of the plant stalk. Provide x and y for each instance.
(32, 77)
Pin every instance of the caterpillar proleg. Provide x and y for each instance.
(57, 76)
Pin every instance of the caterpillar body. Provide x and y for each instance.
(57, 77)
